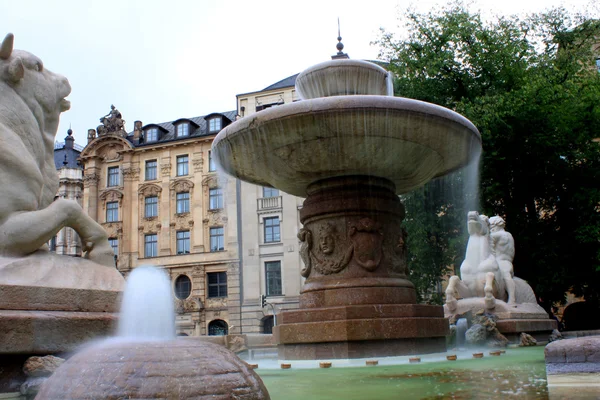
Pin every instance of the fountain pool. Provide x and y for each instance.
(520, 373)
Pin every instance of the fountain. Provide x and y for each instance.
(146, 361)
(350, 148)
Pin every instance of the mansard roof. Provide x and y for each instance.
(286, 82)
(198, 127)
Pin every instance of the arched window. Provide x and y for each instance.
(183, 287)
(218, 327)
(268, 324)
(182, 334)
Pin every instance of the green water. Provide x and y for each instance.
(520, 373)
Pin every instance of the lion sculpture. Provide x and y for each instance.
(487, 271)
(31, 100)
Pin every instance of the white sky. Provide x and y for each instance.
(159, 61)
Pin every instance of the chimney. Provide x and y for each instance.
(91, 135)
(137, 132)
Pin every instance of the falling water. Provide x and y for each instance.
(471, 183)
(461, 330)
(147, 307)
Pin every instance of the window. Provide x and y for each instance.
(217, 284)
(272, 229)
(214, 124)
(268, 323)
(183, 287)
(218, 327)
(112, 211)
(151, 170)
(113, 176)
(151, 206)
(183, 202)
(183, 129)
(151, 135)
(273, 277)
(270, 192)
(217, 240)
(182, 165)
(114, 243)
(183, 242)
(211, 162)
(151, 245)
(215, 197)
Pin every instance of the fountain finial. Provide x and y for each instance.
(340, 46)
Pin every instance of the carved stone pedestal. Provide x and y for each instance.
(357, 301)
(52, 304)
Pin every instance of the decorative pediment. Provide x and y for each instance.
(110, 152)
(149, 189)
(107, 148)
(111, 195)
(213, 181)
(182, 185)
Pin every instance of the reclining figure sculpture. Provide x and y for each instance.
(487, 271)
(31, 100)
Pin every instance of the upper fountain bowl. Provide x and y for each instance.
(343, 77)
(346, 126)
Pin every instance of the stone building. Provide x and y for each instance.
(70, 175)
(269, 224)
(157, 193)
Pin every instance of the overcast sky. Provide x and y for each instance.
(162, 60)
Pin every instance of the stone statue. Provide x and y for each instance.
(111, 122)
(31, 100)
(480, 272)
(503, 247)
(487, 271)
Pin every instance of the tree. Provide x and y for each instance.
(530, 86)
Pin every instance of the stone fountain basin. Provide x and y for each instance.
(141, 369)
(292, 146)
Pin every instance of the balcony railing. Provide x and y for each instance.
(268, 203)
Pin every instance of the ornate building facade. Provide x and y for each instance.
(157, 193)
(270, 223)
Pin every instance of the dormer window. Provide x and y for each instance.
(214, 124)
(151, 134)
(183, 129)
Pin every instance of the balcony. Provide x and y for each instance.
(268, 203)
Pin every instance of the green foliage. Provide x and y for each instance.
(531, 87)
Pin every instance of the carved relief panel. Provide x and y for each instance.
(329, 246)
(197, 161)
(90, 179)
(131, 173)
(165, 166)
